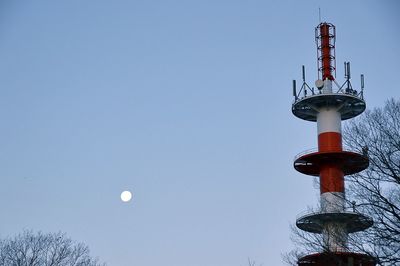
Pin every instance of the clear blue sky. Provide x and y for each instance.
(185, 103)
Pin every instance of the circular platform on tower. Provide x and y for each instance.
(349, 161)
(349, 105)
(353, 221)
(337, 258)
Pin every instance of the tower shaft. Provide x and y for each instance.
(332, 191)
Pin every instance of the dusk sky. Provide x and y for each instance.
(185, 103)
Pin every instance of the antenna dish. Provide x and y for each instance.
(319, 83)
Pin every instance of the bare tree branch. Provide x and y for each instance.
(38, 249)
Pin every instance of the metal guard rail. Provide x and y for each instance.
(315, 150)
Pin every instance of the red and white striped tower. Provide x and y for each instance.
(328, 107)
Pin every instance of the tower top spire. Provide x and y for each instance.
(325, 38)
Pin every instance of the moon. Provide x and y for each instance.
(126, 196)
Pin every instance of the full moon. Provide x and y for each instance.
(126, 196)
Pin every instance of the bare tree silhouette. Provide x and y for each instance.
(39, 249)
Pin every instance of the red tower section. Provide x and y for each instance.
(325, 39)
(330, 161)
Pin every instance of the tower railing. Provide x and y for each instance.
(349, 208)
(315, 150)
(307, 91)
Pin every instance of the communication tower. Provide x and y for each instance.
(328, 105)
